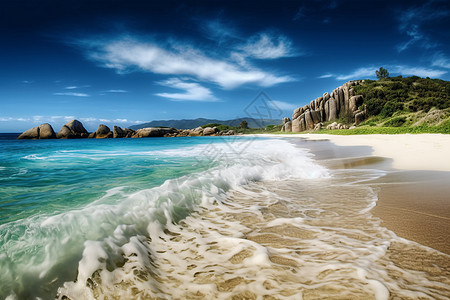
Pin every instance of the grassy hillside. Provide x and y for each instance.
(404, 95)
(403, 105)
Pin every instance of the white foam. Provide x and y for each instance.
(56, 240)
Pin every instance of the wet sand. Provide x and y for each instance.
(418, 208)
(415, 204)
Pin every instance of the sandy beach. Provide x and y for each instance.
(413, 197)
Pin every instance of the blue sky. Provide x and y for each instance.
(128, 62)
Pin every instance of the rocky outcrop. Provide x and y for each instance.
(153, 132)
(30, 134)
(210, 130)
(103, 132)
(43, 131)
(287, 125)
(72, 130)
(328, 107)
(75, 129)
(336, 125)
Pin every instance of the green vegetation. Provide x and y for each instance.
(247, 130)
(411, 94)
(244, 125)
(382, 73)
(219, 126)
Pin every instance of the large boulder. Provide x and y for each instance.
(118, 132)
(287, 127)
(153, 132)
(30, 134)
(332, 110)
(355, 102)
(103, 132)
(210, 130)
(43, 131)
(128, 132)
(359, 117)
(72, 130)
(46, 131)
(309, 120)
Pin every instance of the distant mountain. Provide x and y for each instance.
(188, 124)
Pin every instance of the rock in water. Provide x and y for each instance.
(153, 132)
(118, 132)
(46, 131)
(30, 134)
(103, 132)
(72, 130)
(210, 130)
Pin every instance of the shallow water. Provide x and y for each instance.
(203, 218)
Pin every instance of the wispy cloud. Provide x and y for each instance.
(38, 119)
(59, 120)
(130, 54)
(418, 71)
(439, 60)
(92, 120)
(266, 46)
(192, 91)
(219, 30)
(370, 72)
(71, 87)
(358, 74)
(282, 105)
(116, 91)
(71, 94)
(411, 23)
(328, 75)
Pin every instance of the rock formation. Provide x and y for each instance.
(210, 130)
(43, 131)
(102, 132)
(72, 130)
(287, 125)
(328, 107)
(153, 132)
(75, 129)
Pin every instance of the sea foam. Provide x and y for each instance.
(95, 235)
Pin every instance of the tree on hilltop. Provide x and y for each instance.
(382, 73)
(244, 125)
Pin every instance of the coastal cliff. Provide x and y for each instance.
(341, 102)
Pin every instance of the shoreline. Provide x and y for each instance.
(413, 196)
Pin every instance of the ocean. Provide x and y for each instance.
(195, 218)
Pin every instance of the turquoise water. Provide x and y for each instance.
(63, 202)
(52, 176)
(193, 218)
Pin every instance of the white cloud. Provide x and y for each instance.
(130, 54)
(71, 94)
(192, 91)
(38, 119)
(328, 75)
(358, 74)
(71, 87)
(418, 71)
(282, 105)
(264, 46)
(441, 61)
(412, 19)
(369, 72)
(116, 91)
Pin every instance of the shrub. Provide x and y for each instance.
(390, 108)
(395, 122)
